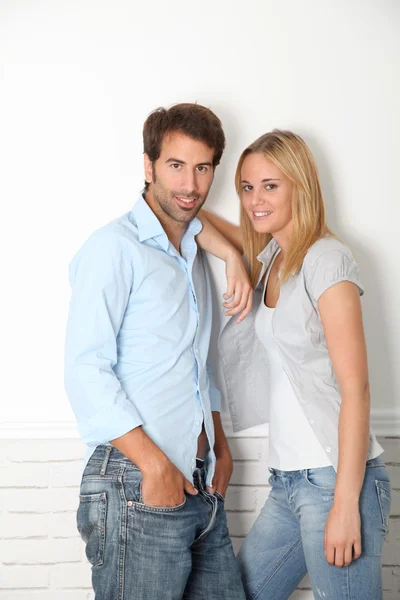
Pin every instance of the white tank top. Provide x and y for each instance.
(292, 443)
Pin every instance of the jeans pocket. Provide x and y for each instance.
(91, 523)
(132, 484)
(383, 489)
(321, 478)
(157, 509)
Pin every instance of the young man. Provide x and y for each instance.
(158, 464)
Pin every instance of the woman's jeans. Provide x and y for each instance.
(139, 552)
(287, 540)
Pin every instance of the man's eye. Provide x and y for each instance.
(202, 169)
(176, 166)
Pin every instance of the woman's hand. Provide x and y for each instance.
(342, 535)
(227, 246)
(239, 288)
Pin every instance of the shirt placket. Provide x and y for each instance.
(186, 265)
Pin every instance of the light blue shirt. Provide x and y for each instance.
(138, 338)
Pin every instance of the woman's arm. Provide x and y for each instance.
(340, 311)
(227, 246)
(231, 233)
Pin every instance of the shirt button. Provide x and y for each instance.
(328, 449)
(130, 502)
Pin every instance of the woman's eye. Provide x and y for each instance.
(247, 188)
(271, 186)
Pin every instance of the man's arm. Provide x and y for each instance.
(101, 277)
(163, 484)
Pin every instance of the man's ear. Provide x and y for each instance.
(148, 169)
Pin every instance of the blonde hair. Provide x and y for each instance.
(292, 156)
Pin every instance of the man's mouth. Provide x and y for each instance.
(187, 201)
(259, 215)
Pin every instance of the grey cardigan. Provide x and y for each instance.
(300, 341)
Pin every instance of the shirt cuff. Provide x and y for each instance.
(110, 423)
(215, 399)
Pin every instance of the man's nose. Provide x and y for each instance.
(189, 182)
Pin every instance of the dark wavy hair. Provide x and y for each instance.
(194, 120)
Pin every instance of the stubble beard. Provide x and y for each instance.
(166, 200)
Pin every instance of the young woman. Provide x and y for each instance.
(299, 362)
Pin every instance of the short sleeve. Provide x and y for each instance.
(331, 268)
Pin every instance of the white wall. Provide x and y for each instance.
(79, 78)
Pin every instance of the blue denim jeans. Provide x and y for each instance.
(139, 552)
(287, 540)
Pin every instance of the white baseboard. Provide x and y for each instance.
(35, 430)
(385, 422)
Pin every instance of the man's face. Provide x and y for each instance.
(181, 177)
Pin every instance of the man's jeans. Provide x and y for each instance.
(287, 540)
(139, 552)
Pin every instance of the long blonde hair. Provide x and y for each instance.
(292, 156)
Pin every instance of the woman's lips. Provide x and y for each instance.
(259, 215)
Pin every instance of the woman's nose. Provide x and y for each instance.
(257, 200)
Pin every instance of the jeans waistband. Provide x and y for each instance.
(106, 453)
(109, 453)
(372, 462)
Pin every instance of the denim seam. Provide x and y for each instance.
(348, 582)
(158, 509)
(213, 504)
(115, 461)
(380, 490)
(317, 487)
(123, 533)
(276, 570)
(99, 477)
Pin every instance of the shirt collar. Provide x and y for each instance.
(147, 223)
(268, 252)
(150, 227)
(265, 257)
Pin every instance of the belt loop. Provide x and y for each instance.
(105, 461)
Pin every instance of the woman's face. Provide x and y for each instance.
(266, 195)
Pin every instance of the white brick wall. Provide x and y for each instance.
(41, 554)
